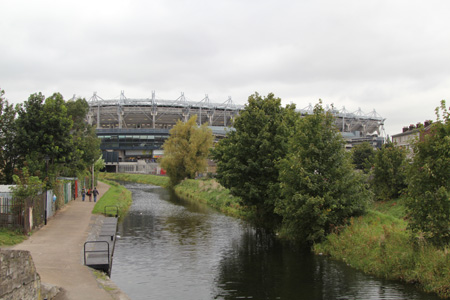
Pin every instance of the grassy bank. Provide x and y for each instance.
(212, 193)
(139, 178)
(116, 196)
(379, 244)
(9, 237)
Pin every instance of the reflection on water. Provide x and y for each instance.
(172, 249)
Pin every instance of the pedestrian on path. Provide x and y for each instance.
(83, 194)
(89, 193)
(95, 192)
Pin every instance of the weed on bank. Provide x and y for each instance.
(116, 196)
(10, 237)
(379, 244)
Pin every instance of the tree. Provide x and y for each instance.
(26, 191)
(44, 130)
(186, 150)
(319, 188)
(246, 159)
(429, 182)
(8, 153)
(86, 144)
(389, 172)
(363, 156)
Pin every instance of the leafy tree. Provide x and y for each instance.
(27, 186)
(86, 144)
(43, 130)
(26, 190)
(363, 156)
(186, 150)
(319, 188)
(246, 159)
(28, 125)
(389, 172)
(429, 182)
(8, 153)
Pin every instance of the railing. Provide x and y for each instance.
(96, 251)
(108, 206)
(11, 213)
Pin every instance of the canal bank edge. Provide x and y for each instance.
(104, 281)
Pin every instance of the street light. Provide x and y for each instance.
(46, 158)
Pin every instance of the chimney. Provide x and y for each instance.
(405, 129)
(427, 123)
(411, 127)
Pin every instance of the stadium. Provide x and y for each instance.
(132, 131)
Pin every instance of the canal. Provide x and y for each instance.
(173, 249)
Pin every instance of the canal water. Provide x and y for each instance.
(173, 249)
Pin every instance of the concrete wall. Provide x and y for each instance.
(18, 277)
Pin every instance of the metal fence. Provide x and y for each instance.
(25, 215)
(11, 213)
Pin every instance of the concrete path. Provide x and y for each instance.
(57, 250)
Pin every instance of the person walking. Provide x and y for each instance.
(95, 193)
(83, 194)
(89, 193)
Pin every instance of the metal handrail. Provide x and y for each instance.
(89, 251)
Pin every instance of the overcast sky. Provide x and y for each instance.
(391, 56)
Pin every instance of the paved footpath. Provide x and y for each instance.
(57, 251)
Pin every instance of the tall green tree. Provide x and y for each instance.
(429, 182)
(86, 144)
(186, 150)
(29, 132)
(319, 188)
(363, 156)
(8, 152)
(389, 172)
(246, 159)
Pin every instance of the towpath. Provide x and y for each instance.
(57, 251)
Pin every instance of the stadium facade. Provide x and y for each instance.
(133, 130)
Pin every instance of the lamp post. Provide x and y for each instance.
(46, 158)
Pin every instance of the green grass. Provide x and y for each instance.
(379, 244)
(117, 196)
(10, 237)
(212, 193)
(139, 178)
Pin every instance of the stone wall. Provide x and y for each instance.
(18, 276)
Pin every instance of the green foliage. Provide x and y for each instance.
(140, 178)
(11, 237)
(379, 244)
(8, 151)
(246, 159)
(27, 187)
(389, 173)
(86, 145)
(212, 193)
(319, 188)
(186, 150)
(363, 156)
(117, 196)
(56, 130)
(429, 182)
(43, 130)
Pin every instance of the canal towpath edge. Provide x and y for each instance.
(57, 252)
